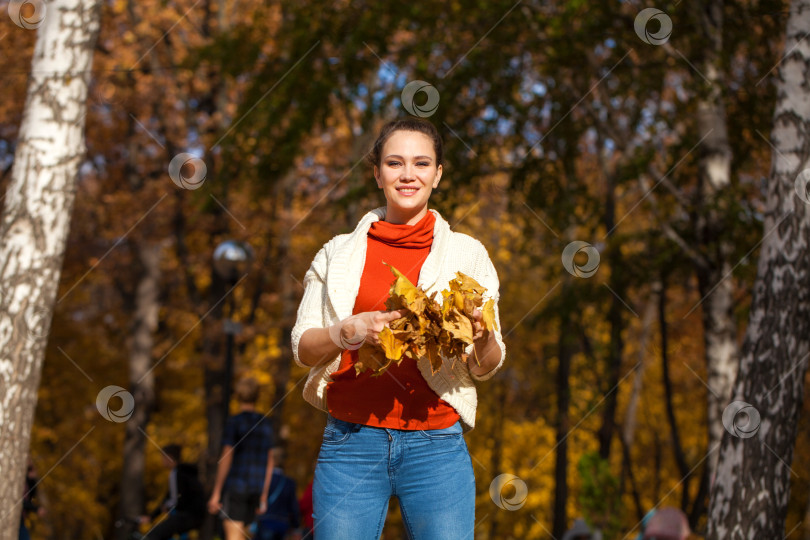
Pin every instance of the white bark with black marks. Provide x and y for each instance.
(752, 488)
(35, 224)
(716, 248)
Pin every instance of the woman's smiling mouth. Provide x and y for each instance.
(407, 191)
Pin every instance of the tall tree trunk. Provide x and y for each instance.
(143, 304)
(752, 486)
(141, 383)
(35, 226)
(714, 265)
(677, 447)
(806, 534)
(564, 353)
(617, 288)
(214, 347)
(289, 302)
(614, 360)
(213, 376)
(628, 433)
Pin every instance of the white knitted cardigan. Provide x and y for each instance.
(331, 286)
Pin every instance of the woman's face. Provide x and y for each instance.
(407, 175)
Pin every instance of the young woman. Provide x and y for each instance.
(399, 434)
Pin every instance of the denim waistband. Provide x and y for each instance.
(331, 420)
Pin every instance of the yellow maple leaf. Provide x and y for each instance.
(459, 326)
(371, 358)
(403, 294)
(465, 283)
(488, 312)
(392, 345)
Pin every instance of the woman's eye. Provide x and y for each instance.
(423, 164)
(393, 163)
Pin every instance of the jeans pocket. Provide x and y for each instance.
(337, 431)
(445, 433)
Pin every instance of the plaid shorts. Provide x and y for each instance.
(240, 507)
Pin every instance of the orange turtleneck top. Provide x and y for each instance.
(400, 398)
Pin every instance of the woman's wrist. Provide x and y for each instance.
(335, 332)
(350, 333)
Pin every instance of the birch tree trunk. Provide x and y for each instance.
(752, 487)
(35, 224)
(145, 310)
(716, 248)
(628, 430)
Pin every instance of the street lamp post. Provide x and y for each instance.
(231, 260)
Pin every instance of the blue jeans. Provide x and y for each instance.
(360, 467)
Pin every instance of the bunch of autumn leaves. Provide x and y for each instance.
(428, 329)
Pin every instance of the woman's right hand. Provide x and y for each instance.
(363, 328)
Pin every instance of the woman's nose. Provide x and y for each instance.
(408, 173)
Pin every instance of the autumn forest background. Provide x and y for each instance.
(563, 121)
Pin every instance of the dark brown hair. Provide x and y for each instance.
(247, 390)
(173, 451)
(405, 124)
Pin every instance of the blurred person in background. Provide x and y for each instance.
(245, 466)
(668, 523)
(30, 502)
(283, 514)
(305, 504)
(184, 501)
(579, 531)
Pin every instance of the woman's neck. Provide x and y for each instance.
(398, 217)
